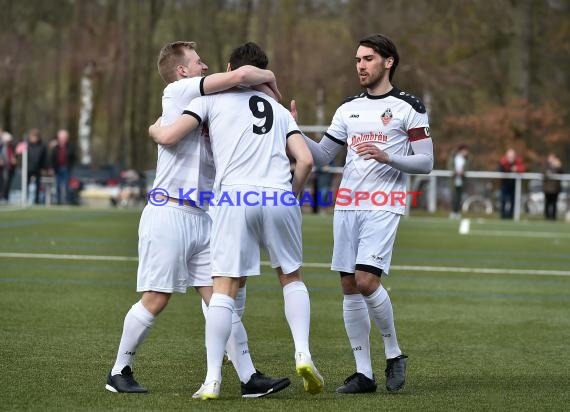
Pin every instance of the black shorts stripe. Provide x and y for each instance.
(369, 268)
(202, 86)
(334, 139)
(294, 132)
(194, 115)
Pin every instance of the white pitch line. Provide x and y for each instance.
(68, 257)
(516, 233)
(447, 269)
(483, 270)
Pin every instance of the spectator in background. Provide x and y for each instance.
(509, 163)
(551, 187)
(458, 165)
(51, 145)
(62, 160)
(37, 161)
(2, 162)
(7, 165)
(132, 189)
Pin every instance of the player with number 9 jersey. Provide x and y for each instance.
(248, 143)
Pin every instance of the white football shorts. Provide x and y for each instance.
(174, 248)
(239, 229)
(363, 237)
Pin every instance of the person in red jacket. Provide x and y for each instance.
(510, 162)
(8, 164)
(62, 160)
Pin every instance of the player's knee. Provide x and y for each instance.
(205, 293)
(155, 302)
(366, 282)
(348, 283)
(285, 279)
(226, 285)
(367, 287)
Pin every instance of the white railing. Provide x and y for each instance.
(435, 174)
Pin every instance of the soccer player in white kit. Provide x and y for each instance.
(255, 205)
(387, 134)
(174, 233)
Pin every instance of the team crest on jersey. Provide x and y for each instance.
(386, 116)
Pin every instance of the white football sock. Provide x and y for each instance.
(298, 314)
(238, 350)
(240, 301)
(380, 309)
(357, 325)
(205, 313)
(138, 322)
(239, 340)
(204, 309)
(218, 329)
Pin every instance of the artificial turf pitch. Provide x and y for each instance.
(482, 330)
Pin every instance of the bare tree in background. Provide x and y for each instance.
(470, 56)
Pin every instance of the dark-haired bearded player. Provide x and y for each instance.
(387, 133)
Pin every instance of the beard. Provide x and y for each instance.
(372, 79)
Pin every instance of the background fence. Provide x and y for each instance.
(481, 190)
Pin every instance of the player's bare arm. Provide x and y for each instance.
(421, 161)
(303, 161)
(173, 133)
(243, 76)
(264, 88)
(269, 89)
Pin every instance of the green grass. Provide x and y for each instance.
(476, 341)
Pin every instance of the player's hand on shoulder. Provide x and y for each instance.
(294, 110)
(273, 86)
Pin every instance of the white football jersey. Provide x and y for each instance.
(187, 166)
(248, 130)
(391, 121)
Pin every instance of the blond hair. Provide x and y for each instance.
(172, 55)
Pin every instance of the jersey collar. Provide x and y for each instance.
(392, 92)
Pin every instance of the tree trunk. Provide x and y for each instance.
(75, 69)
(134, 46)
(520, 49)
(144, 144)
(57, 69)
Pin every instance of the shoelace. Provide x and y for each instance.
(129, 377)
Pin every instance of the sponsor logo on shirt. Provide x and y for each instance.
(368, 137)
